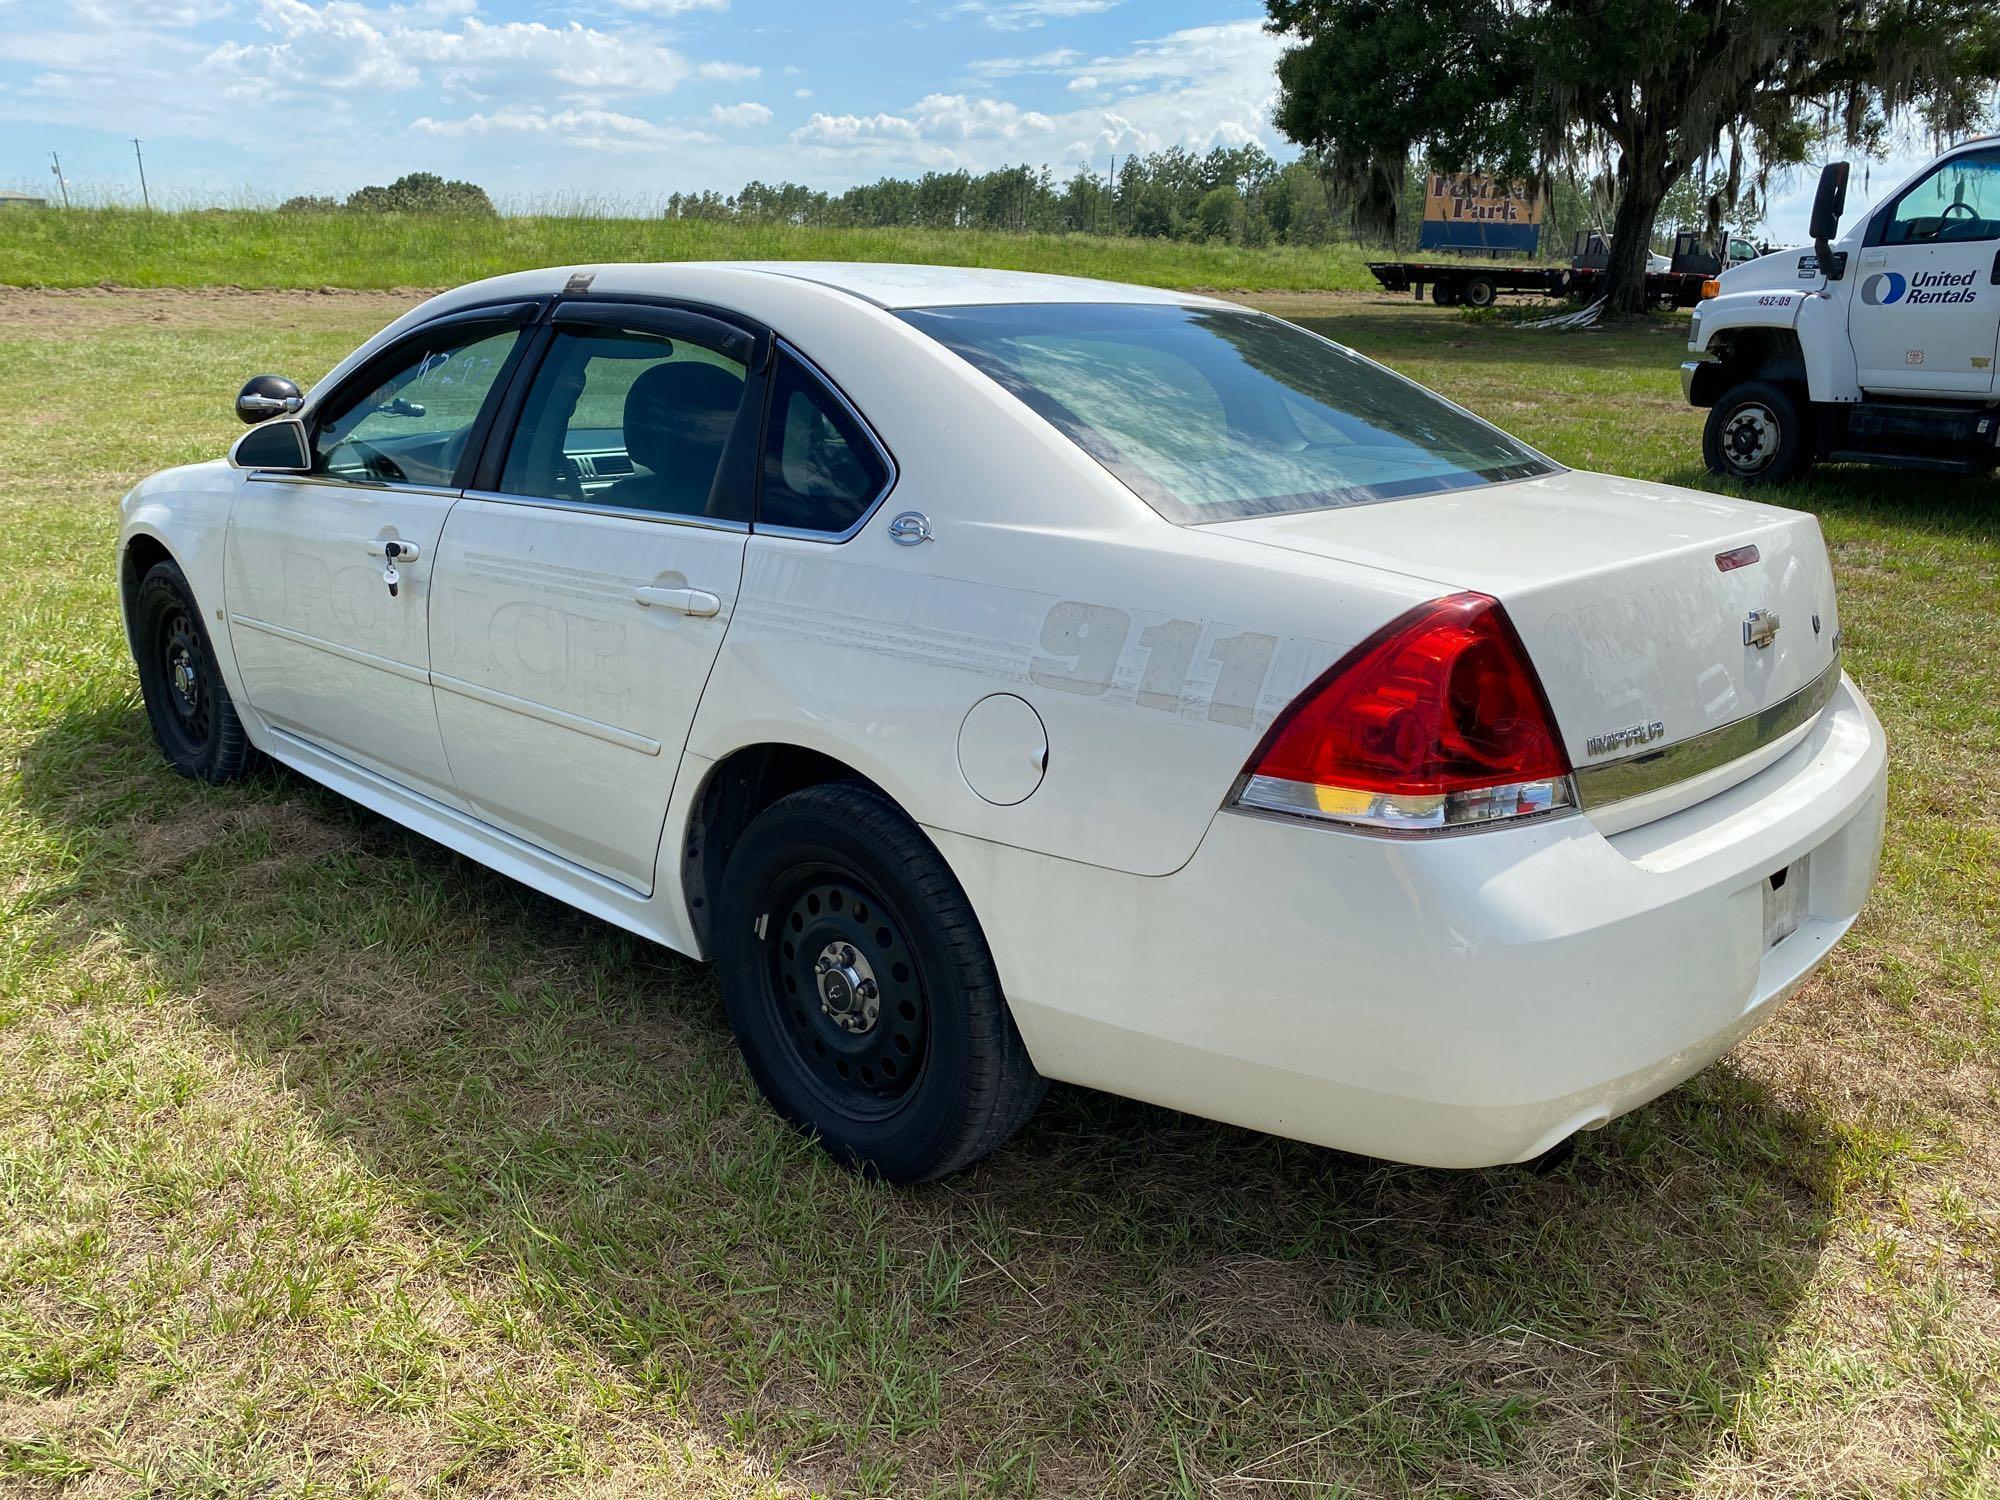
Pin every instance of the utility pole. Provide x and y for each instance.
(144, 196)
(55, 166)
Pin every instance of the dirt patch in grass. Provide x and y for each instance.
(45, 312)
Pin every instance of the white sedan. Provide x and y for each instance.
(1007, 678)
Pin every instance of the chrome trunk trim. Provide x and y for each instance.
(1612, 781)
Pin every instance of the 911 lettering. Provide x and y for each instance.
(1094, 640)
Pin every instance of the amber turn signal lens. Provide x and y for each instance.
(1710, 288)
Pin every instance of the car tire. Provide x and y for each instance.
(193, 717)
(831, 893)
(1481, 292)
(1757, 433)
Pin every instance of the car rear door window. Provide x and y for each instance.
(822, 470)
(627, 418)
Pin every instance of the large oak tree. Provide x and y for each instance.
(1650, 87)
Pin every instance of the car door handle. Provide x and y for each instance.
(379, 547)
(696, 602)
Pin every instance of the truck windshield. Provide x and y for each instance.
(1212, 414)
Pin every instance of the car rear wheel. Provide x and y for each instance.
(1444, 296)
(192, 715)
(1757, 434)
(861, 990)
(1481, 292)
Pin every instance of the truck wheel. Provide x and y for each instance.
(1758, 433)
(1481, 292)
(861, 990)
(1444, 296)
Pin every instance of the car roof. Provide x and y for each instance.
(887, 284)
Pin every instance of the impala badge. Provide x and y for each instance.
(1760, 628)
(1625, 739)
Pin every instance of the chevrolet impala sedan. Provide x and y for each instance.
(1007, 678)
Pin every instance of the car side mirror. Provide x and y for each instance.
(276, 447)
(1829, 201)
(267, 396)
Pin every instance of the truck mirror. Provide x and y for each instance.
(1829, 201)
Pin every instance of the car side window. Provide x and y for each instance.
(821, 471)
(408, 423)
(1960, 200)
(627, 418)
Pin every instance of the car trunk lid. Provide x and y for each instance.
(1677, 662)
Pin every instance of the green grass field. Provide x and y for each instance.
(332, 1164)
(223, 247)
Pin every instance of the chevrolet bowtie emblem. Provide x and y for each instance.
(1760, 628)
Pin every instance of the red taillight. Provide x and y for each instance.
(1435, 721)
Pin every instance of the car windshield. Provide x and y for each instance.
(1211, 414)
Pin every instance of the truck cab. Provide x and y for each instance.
(1877, 346)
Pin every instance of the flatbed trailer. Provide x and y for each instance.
(1481, 286)
(1471, 286)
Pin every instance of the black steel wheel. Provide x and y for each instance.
(861, 990)
(843, 975)
(1757, 433)
(193, 717)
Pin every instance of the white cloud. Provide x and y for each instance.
(939, 122)
(1025, 15)
(802, 93)
(589, 129)
(174, 13)
(740, 115)
(344, 45)
(1200, 87)
(1041, 62)
(728, 72)
(670, 7)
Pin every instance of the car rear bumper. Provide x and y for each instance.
(1455, 1001)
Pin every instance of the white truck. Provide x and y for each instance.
(1878, 348)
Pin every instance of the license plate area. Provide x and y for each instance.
(1785, 901)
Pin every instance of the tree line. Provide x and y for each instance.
(1237, 195)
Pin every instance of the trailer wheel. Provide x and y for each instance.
(1444, 296)
(1481, 292)
(1758, 433)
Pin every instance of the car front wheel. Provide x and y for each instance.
(192, 715)
(861, 991)
(1757, 434)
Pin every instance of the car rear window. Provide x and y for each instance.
(1211, 414)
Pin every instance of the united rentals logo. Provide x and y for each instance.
(1883, 288)
(1934, 287)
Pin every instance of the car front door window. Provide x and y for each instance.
(407, 422)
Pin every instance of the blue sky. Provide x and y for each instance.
(624, 101)
(613, 99)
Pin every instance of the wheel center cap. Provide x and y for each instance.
(184, 676)
(848, 995)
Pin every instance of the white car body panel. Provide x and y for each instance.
(1061, 687)
(321, 648)
(563, 707)
(1619, 640)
